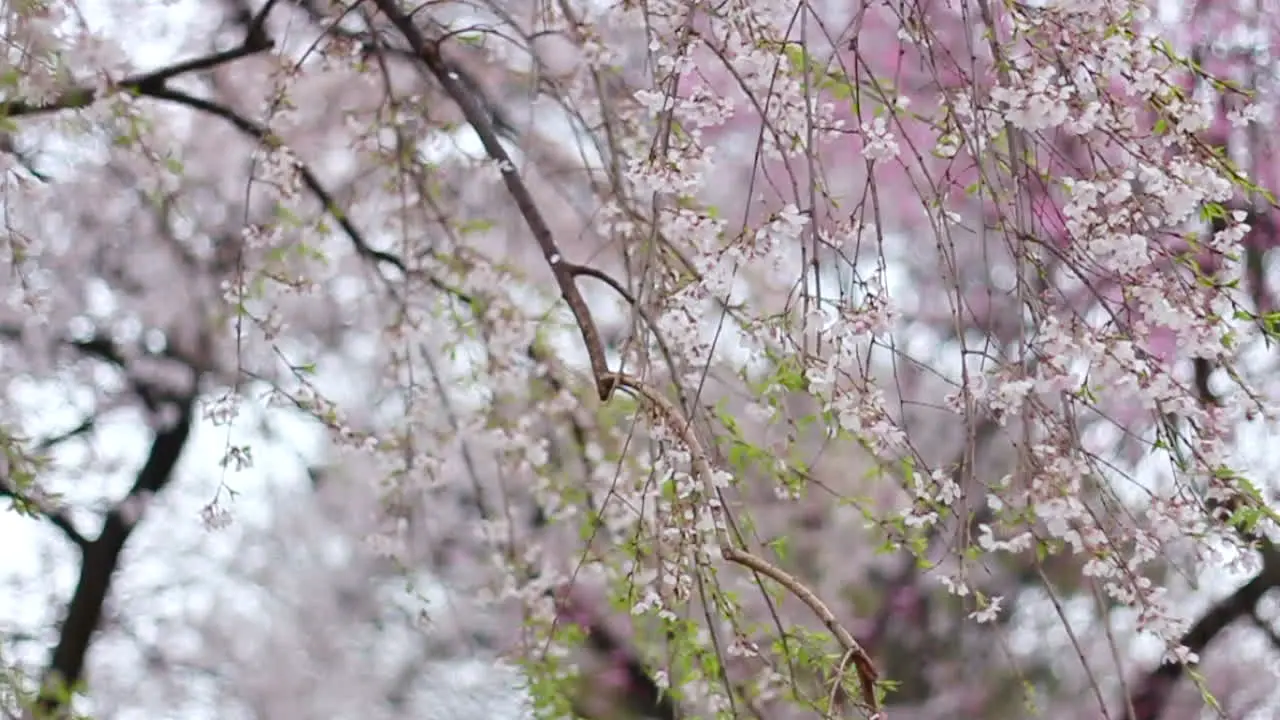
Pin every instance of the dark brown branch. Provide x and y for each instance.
(255, 24)
(100, 557)
(103, 348)
(86, 426)
(100, 560)
(622, 680)
(428, 51)
(575, 271)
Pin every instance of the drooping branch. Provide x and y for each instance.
(853, 652)
(902, 585)
(103, 348)
(481, 121)
(565, 275)
(1150, 696)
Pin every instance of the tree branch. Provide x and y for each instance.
(27, 504)
(101, 348)
(480, 120)
(256, 41)
(100, 560)
(101, 556)
(370, 44)
(1265, 627)
(565, 275)
(309, 178)
(155, 85)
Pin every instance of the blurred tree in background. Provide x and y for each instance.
(735, 359)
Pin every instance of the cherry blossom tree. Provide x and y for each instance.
(736, 359)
